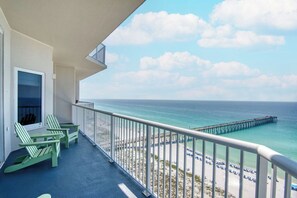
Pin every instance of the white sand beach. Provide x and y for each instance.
(249, 181)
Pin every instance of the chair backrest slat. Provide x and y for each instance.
(53, 123)
(25, 138)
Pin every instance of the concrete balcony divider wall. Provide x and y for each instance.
(172, 161)
(6, 130)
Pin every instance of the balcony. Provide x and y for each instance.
(83, 171)
(151, 158)
(174, 162)
(98, 54)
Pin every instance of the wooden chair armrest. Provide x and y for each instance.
(40, 143)
(43, 135)
(64, 129)
(68, 125)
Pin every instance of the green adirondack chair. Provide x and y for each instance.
(49, 150)
(56, 128)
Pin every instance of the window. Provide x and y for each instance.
(29, 98)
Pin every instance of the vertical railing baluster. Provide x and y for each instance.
(136, 149)
(288, 183)
(185, 166)
(262, 169)
(164, 159)
(116, 136)
(158, 172)
(241, 173)
(133, 147)
(139, 152)
(119, 141)
(125, 145)
(273, 181)
(153, 165)
(170, 163)
(129, 146)
(122, 142)
(112, 136)
(177, 163)
(227, 172)
(193, 167)
(143, 154)
(203, 169)
(214, 170)
(147, 191)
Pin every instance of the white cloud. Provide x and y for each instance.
(290, 80)
(156, 26)
(230, 69)
(280, 14)
(155, 78)
(151, 26)
(264, 81)
(176, 60)
(188, 79)
(111, 58)
(259, 88)
(206, 92)
(225, 36)
(181, 69)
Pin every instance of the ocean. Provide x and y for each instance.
(280, 136)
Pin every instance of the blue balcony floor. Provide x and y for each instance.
(83, 171)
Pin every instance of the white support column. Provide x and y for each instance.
(95, 126)
(262, 170)
(84, 121)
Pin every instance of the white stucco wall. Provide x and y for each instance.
(64, 92)
(30, 54)
(6, 83)
(61, 84)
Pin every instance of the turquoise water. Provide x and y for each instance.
(280, 136)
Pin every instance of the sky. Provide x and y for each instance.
(242, 50)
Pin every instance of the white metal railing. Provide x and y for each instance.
(99, 53)
(175, 162)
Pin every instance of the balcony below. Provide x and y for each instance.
(83, 171)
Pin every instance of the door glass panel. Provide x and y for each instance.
(29, 98)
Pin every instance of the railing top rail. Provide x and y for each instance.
(279, 160)
(96, 110)
(276, 158)
(251, 147)
(100, 46)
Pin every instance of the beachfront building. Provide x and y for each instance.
(46, 48)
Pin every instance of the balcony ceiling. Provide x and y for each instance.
(72, 27)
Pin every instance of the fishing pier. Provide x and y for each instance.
(212, 129)
(237, 125)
